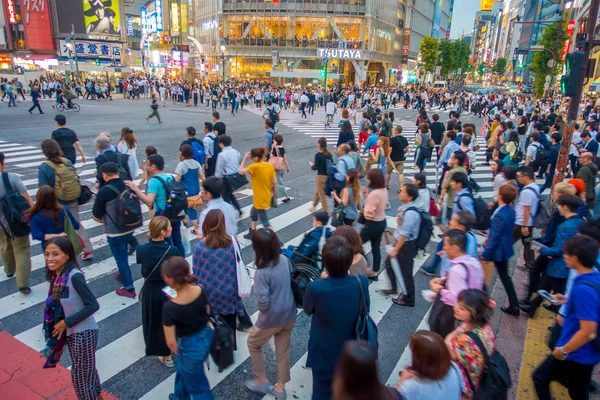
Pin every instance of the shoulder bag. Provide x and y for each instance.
(243, 279)
(72, 233)
(151, 272)
(277, 160)
(366, 329)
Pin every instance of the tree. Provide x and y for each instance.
(446, 57)
(429, 53)
(499, 67)
(539, 60)
(462, 52)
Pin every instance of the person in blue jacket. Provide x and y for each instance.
(334, 304)
(556, 273)
(499, 245)
(310, 243)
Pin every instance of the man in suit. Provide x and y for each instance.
(589, 143)
(333, 321)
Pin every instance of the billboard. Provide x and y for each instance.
(437, 17)
(36, 21)
(92, 49)
(102, 17)
(486, 5)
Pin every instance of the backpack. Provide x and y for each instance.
(199, 154)
(467, 163)
(216, 147)
(125, 211)
(518, 156)
(482, 212)
(66, 182)
(332, 182)
(542, 215)
(541, 156)
(176, 199)
(273, 116)
(13, 207)
(495, 381)
(425, 229)
(364, 125)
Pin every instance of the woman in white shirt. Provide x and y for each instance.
(128, 145)
(498, 180)
(422, 202)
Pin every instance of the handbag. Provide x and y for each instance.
(151, 272)
(72, 233)
(277, 161)
(236, 181)
(222, 346)
(194, 201)
(274, 201)
(85, 196)
(366, 329)
(338, 216)
(243, 279)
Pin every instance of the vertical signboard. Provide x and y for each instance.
(102, 16)
(184, 17)
(159, 15)
(129, 25)
(450, 19)
(143, 20)
(174, 19)
(36, 21)
(12, 15)
(437, 17)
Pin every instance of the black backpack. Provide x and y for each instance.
(13, 207)
(482, 212)
(425, 229)
(541, 156)
(125, 211)
(273, 116)
(176, 199)
(518, 156)
(495, 381)
(216, 147)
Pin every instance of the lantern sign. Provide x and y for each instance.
(12, 15)
(570, 27)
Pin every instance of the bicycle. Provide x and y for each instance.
(62, 106)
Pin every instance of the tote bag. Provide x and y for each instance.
(72, 233)
(243, 279)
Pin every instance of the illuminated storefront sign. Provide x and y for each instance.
(344, 54)
(12, 16)
(129, 25)
(159, 15)
(184, 17)
(92, 49)
(570, 27)
(143, 18)
(210, 25)
(174, 19)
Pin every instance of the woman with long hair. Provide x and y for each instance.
(276, 313)
(69, 319)
(422, 144)
(188, 331)
(374, 213)
(128, 145)
(150, 256)
(356, 376)
(55, 161)
(431, 375)
(214, 267)
(47, 217)
(350, 199)
(474, 310)
(382, 156)
(359, 262)
(346, 135)
(320, 165)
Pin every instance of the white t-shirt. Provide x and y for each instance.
(575, 140)
(330, 108)
(185, 165)
(527, 197)
(533, 149)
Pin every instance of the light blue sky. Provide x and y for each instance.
(463, 17)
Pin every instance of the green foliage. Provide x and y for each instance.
(539, 60)
(429, 53)
(462, 52)
(446, 56)
(499, 67)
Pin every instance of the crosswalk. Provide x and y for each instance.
(314, 127)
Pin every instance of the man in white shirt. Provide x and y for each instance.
(303, 103)
(526, 209)
(213, 188)
(330, 109)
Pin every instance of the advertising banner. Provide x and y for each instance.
(92, 49)
(102, 17)
(174, 19)
(437, 17)
(184, 17)
(36, 20)
(486, 5)
(12, 15)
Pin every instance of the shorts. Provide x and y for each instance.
(362, 137)
(255, 214)
(399, 165)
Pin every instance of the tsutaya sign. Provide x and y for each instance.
(344, 54)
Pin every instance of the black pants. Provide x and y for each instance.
(551, 284)
(574, 164)
(245, 319)
(537, 270)
(444, 170)
(210, 170)
(502, 267)
(228, 196)
(551, 369)
(372, 231)
(303, 109)
(406, 259)
(36, 103)
(230, 320)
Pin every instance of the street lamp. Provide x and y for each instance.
(222, 43)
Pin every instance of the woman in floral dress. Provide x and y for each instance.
(214, 268)
(474, 310)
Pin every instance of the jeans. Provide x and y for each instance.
(36, 103)
(176, 239)
(190, 379)
(11, 100)
(264, 218)
(435, 263)
(372, 231)
(118, 248)
(551, 369)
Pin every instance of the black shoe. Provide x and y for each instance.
(402, 302)
(133, 248)
(244, 328)
(529, 310)
(551, 307)
(10, 275)
(511, 310)
(25, 290)
(524, 302)
(249, 234)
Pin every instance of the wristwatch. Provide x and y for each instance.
(563, 352)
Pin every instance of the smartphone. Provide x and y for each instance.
(537, 244)
(547, 296)
(169, 291)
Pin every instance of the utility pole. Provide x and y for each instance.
(563, 158)
(75, 49)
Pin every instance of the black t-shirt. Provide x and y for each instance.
(398, 144)
(188, 318)
(105, 195)
(437, 132)
(219, 127)
(66, 139)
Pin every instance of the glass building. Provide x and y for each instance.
(287, 41)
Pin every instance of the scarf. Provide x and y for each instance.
(53, 313)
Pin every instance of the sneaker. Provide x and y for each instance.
(126, 293)
(167, 363)
(249, 234)
(25, 290)
(265, 388)
(87, 256)
(287, 199)
(10, 275)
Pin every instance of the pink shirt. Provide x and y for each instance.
(456, 279)
(375, 205)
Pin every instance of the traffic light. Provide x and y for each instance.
(572, 77)
(323, 72)
(97, 61)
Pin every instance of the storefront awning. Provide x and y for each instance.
(308, 74)
(91, 68)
